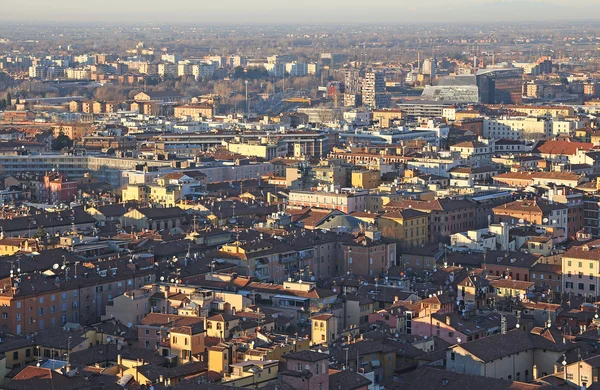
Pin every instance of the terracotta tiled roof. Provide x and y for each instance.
(512, 284)
(562, 147)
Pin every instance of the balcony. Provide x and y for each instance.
(283, 259)
(302, 255)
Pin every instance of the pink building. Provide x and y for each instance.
(306, 370)
(385, 317)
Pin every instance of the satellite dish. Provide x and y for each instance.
(430, 296)
(244, 319)
(307, 367)
(458, 340)
(518, 326)
(553, 221)
(129, 324)
(347, 272)
(396, 334)
(545, 220)
(172, 280)
(312, 278)
(425, 337)
(162, 278)
(335, 290)
(55, 266)
(521, 220)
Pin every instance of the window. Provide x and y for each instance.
(4, 315)
(41, 299)
(452, 356)
(16, 355)
(147, 332)
(52, 297)
(580, 286)
(299, 366)
(18, 305)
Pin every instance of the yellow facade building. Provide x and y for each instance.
(366, 179)
(409, 226)
(324, 329)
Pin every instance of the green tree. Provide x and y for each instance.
(40, 233)
(61, 142)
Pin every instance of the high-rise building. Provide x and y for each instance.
(430, 67)
(373, 90)
(352, 81)
(352, 88)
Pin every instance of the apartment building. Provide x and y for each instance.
(581, 270)
(446, 216)
(368, 255)
(410, 227)
(518, 128)
(196, 111)
(373, 90)
(346, 200)
(79, 293)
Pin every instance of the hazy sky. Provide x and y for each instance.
(297, 11)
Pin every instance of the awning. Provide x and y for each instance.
(290, 298)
